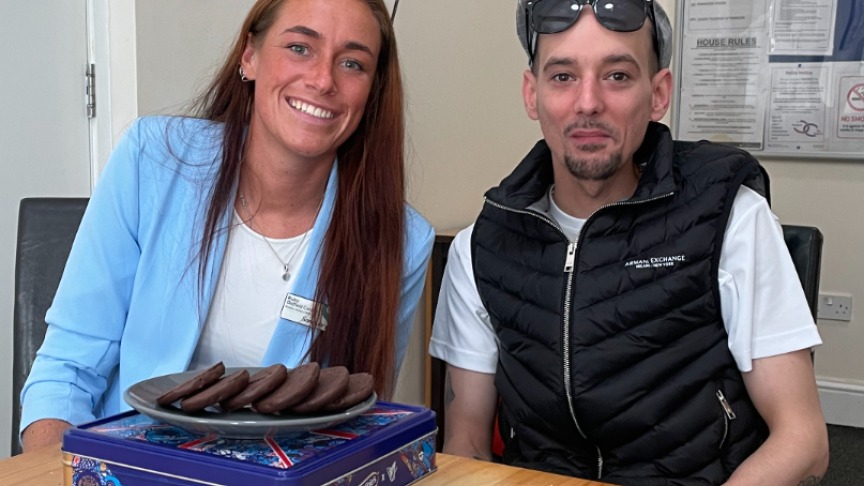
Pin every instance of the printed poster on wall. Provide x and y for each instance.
(803, 27)
(723, 99)
(724, 15)
(798, 107)
(848, 131)
(773, 76)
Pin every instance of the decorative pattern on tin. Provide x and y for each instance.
(279, 453)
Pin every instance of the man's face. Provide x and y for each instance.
(594, 92)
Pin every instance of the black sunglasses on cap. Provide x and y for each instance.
(553, 16)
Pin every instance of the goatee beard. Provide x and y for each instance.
(588, 167)
(592, 169)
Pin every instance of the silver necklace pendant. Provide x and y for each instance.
(286, 276)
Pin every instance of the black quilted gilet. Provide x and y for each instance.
(613, 360)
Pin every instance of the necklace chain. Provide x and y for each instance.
(285, 264)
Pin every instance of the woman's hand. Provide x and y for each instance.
(43, 433)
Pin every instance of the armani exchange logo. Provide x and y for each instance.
(656, 262)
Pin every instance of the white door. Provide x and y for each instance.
(44, 135)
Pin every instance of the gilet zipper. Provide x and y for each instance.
(728, 415)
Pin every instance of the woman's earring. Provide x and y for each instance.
(243, 75)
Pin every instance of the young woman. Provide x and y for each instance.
(270, 227)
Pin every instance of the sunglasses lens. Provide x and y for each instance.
(621, 15)
(553, 16)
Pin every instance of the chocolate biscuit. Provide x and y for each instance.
(260, 384)
(332, 384)
(223, 389)
(300, 382)
(360, 386)
(201, 380)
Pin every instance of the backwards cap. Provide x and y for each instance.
(663, 30)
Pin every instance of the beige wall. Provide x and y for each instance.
(179, 46)
(463, 67)
(830, 196)
(467, 126)
(469, 129)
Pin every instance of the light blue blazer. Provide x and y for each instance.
(127, 308)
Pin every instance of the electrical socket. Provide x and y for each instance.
(835, 307)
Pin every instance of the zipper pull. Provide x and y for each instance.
(725, 405)
(571, 258)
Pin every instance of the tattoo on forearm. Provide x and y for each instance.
(811, 481)
(449, 395)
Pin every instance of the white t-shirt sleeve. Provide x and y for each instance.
(462, 334)
(763, 305)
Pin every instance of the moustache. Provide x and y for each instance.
(590, 124)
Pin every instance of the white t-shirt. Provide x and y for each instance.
(248, 298)
(762, 303)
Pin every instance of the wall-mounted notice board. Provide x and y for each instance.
(775, 77)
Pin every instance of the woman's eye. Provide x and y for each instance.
(298, 49)
(562, 78)
(619, 77)
(353, 65)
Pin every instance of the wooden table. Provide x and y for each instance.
(43, 468)
(458, 470)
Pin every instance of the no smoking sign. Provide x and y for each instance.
(855, 98)
(850, 118)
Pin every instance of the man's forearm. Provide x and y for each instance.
(793, 458)
(469, 403)
(460, 440)
(464, 447)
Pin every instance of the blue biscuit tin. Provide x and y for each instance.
(390, 444)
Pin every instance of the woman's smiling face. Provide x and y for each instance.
(313, 70)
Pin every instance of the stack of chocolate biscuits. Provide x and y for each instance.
(273, 390)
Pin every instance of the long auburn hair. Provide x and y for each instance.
(361, 260)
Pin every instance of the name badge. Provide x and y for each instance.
(299, 310)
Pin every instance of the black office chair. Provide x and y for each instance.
(805, 246)
(46, 230)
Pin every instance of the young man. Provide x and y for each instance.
(625, 305)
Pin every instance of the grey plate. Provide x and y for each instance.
(241, 424)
